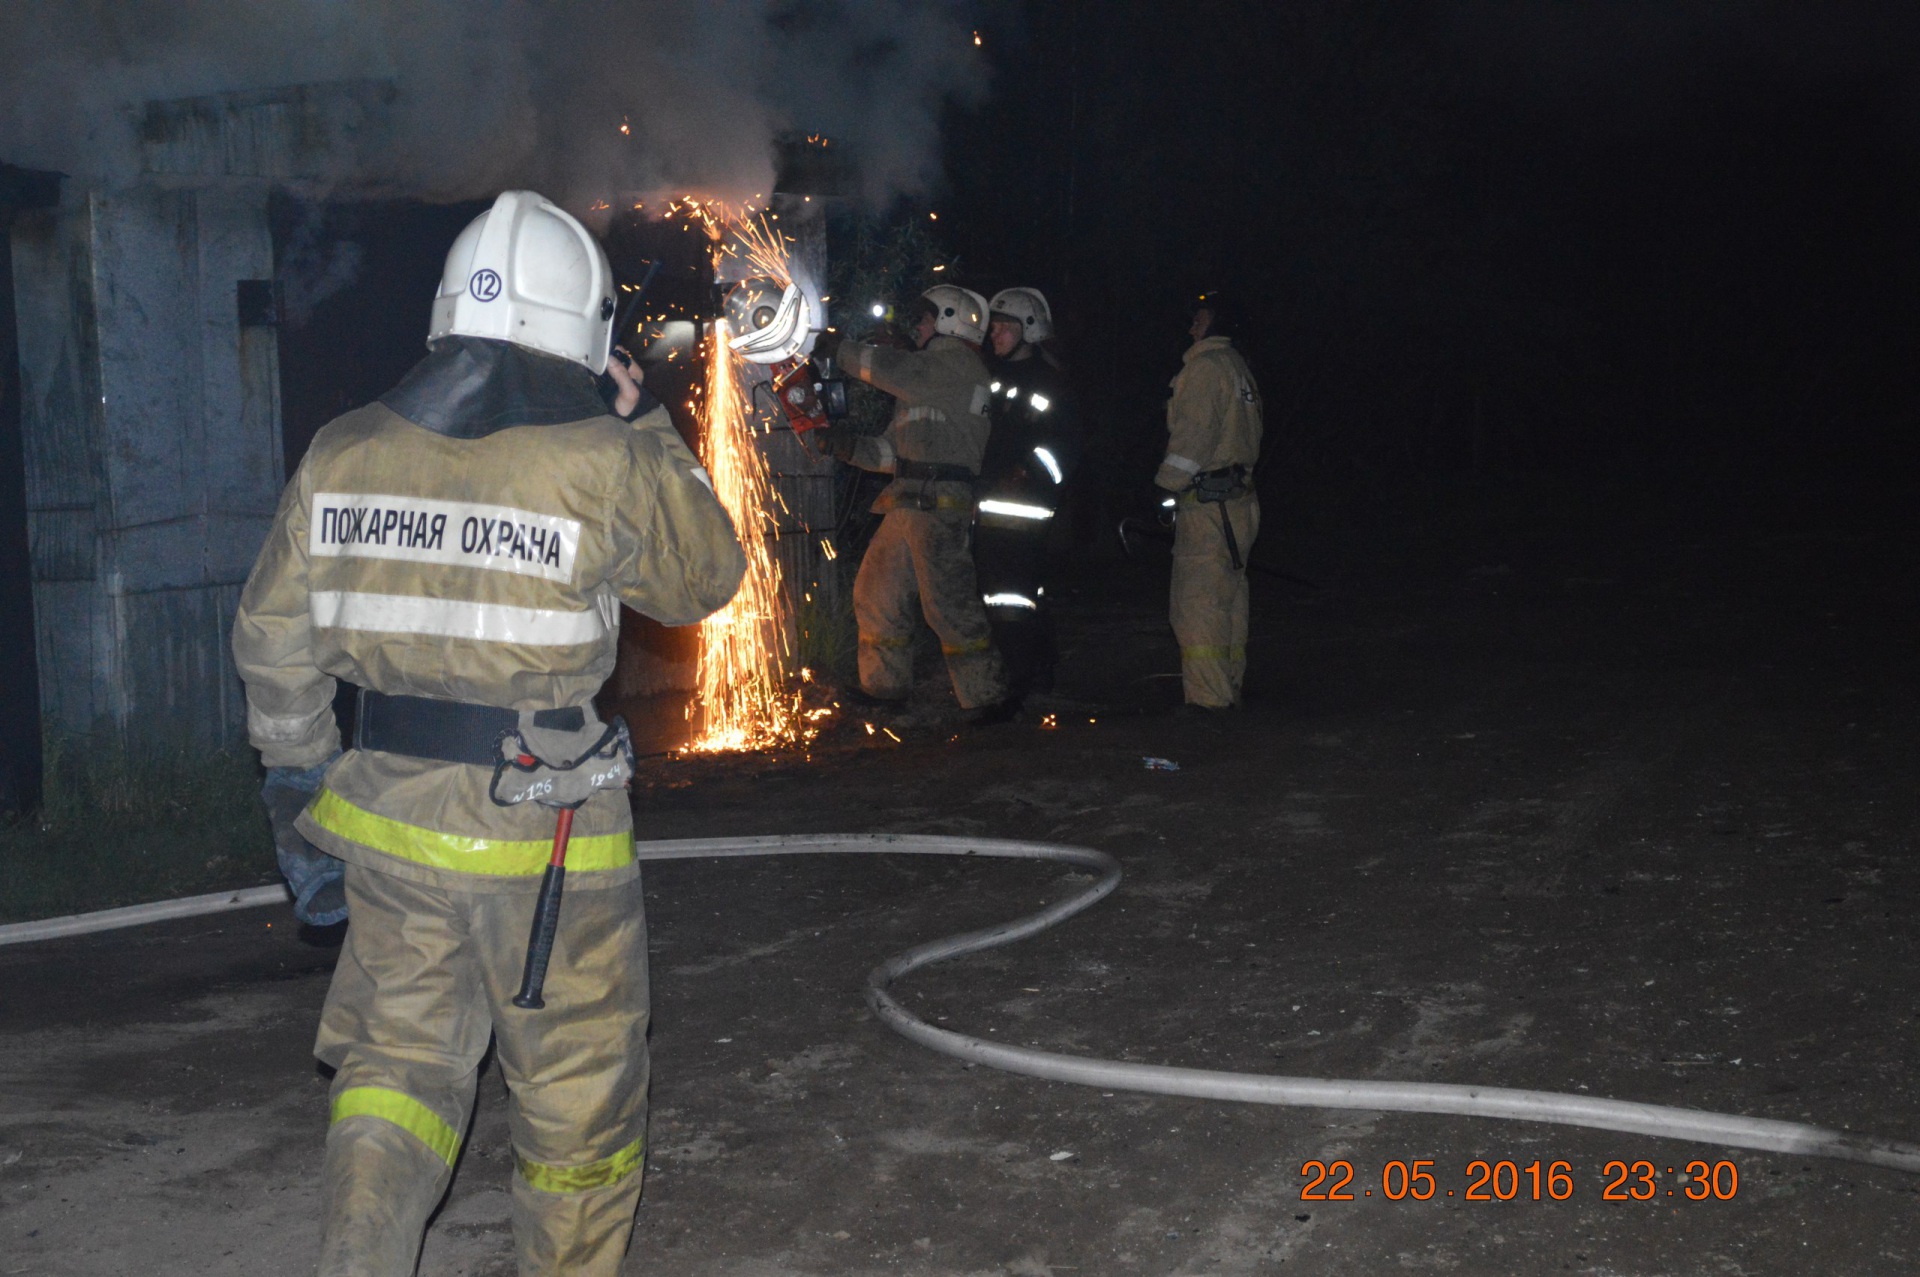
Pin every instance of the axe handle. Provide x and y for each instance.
(546, 918)
(1233, 542)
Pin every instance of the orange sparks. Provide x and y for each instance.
(748, 695)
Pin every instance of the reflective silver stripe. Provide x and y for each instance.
(863, 362)
(883, 449)
(266, 728)
(1179, 462)
(1014, 509)
(453, 618)
(981, 398)
(923, 413)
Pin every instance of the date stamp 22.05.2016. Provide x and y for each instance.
(1508, 1181)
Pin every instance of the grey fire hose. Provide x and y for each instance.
(1725, 1130)
(1721, 1129)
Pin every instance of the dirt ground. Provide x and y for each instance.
(1617, 814)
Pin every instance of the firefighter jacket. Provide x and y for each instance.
(1213, 417)
(1033, 440)
(940, 417)
(486, 570)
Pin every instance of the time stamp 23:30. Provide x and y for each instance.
(1505, 1181)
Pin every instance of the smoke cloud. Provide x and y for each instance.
(479, 95)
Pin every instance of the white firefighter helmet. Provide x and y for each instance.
(526, 271)
(1029, 306)
(958, 312)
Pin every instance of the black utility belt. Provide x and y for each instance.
(1223, 484)
(933, 471)
(446, 731)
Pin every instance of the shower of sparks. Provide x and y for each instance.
(748, 696)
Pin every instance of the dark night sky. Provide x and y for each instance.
(1658, 238)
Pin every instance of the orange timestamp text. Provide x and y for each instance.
(1508, 1181)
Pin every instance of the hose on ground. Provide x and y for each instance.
(1660, 1121)
(1720, 1129)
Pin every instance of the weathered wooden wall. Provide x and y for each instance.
(151, 425)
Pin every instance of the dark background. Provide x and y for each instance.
(1651, 260)
(1637, 246)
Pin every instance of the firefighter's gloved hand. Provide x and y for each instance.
(317, 879)
(836, 440)
(1162, 506)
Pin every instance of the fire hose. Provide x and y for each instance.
(1660, 1121)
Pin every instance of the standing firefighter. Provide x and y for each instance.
(1020, 483)
(933, 448)
(1213, 428)
(461, 550)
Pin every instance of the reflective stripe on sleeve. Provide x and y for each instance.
(460, 853)
(578, 1179)
(1179, 462)
(453, 618)
(280, 729)
(405, 1112)
(1213, 652)
(966, 649)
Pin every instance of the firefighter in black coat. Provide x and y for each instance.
(1020, 484)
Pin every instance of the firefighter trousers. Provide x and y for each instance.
(924, 553)
(1208, 601)
(425, 979)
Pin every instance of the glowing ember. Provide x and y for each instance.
(748, 697)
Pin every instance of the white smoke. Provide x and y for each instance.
(497, 93)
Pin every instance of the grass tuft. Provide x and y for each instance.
(112, 830)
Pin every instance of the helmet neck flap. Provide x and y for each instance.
(471, 387)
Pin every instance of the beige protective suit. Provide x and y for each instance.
(922, 545)
(488, 571)
(1213, 422)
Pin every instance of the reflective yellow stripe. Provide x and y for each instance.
(460, 853)
(966, 649)
(578, 1179)
(405, 1112)
(1215, 653)
(877, 641)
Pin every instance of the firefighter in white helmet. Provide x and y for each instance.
(1213, 440)
(461, 551)
(933, 448)
(1022, 478)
